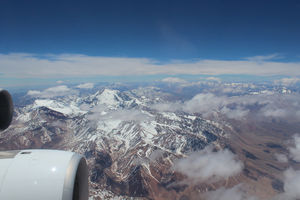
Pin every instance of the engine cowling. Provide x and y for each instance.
(43, 174)
(6, 109)
(39, 174)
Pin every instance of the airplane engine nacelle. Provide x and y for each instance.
(43, 175)
(6, 109)
(39, 174)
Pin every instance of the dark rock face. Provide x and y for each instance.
(184, 197)
(278, 185)
(230, 148)
(137, 187)
(194, 144)
(267, 151)
(120, 188)
(274, 146)
(52, 113)
(249, 155)
(96, 174)
(274, 167)
(102, 161)
(210, 136)
(169, 182)
(249, 174)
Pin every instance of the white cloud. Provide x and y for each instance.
(208, 103)
(231, 90)
(173, 80)
(207, 165)
(291, 185)
(85, 86)
(100, 112)
(204, 103)
(156, 154)
(59, 82)
(234, 193)
(236, 113)
(287, 81)
(130, 115)
(275, 112)
(281, 157)
(291, 177)
(260, 59)
(171, 106)
(213, 79)
(295, 149)
(86, 107)
(57, 91)
(58, 124)
(33, 93)
(69, 65)
(238, 107)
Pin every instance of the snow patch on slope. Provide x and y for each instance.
(70, 109)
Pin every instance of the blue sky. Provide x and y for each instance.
(160, 32)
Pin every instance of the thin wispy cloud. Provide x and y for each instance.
(21, 65)
(264, 58)
(287, 81)
(85, 86)
(59, 82)
(52, 92)
(120, 114)
(173, 80)
(211, 78)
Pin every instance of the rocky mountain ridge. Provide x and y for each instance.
(130, 147)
